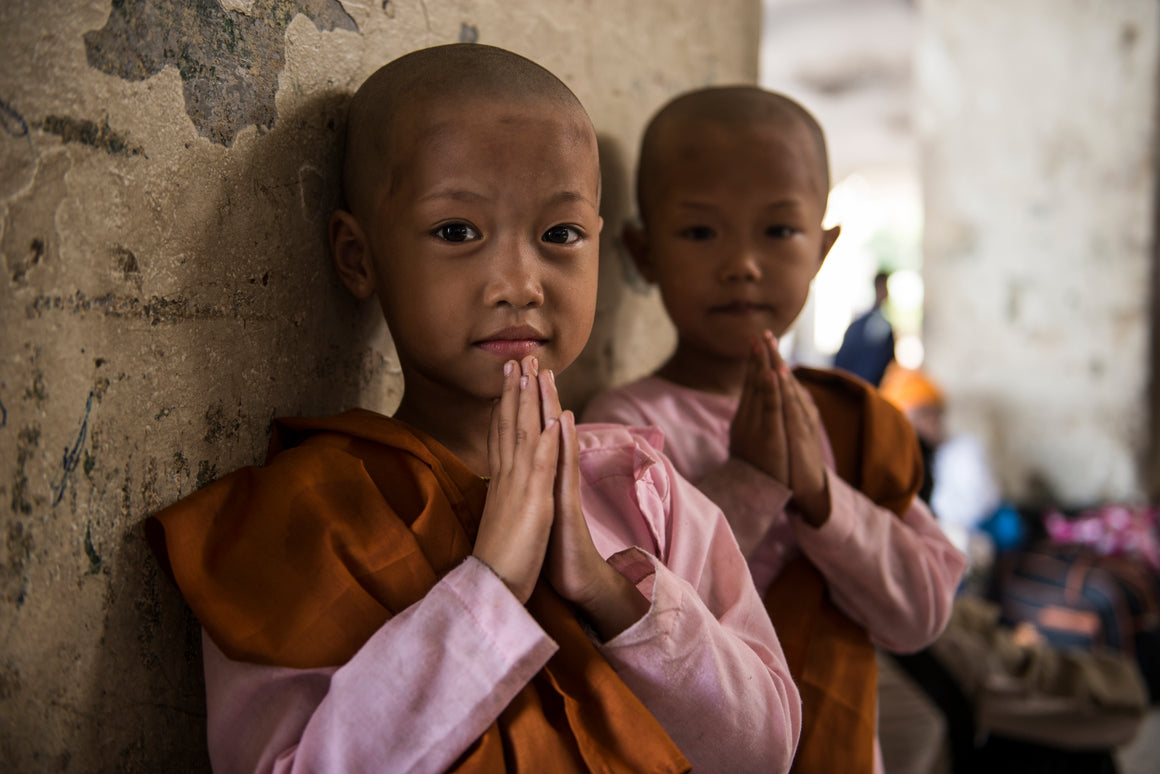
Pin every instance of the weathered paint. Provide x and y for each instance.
(167, 177)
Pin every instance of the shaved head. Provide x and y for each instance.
(729, 106)
(407, 86)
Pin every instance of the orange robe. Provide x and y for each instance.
(354, 518)
(830, 656)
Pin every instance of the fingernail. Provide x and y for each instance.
(551, 376)
(507, 368)
(535, 366)
(523, 382)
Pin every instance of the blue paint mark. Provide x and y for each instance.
(3, 414)
(12, 121)
(229, 62)
(72, 456)
(95, 560)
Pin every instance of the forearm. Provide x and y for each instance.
(750, 500)
(616, 606)
(895, 576)
(720, 687)
(413, 698)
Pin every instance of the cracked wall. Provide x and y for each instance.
(168, 171)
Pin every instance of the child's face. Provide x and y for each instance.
(485, 248)
(734, 234)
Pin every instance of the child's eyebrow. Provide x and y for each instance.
(568, 197)
(467, 195)
(774, 205)
(692, 205)
(782, 204)
(455, 194)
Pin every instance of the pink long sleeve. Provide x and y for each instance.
(413, 698)
(705, 660)
(896, 577)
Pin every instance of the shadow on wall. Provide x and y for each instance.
(592, 371)
(265, 329)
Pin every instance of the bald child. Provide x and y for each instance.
(474, 584)
(814, 471)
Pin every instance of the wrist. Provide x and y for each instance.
(814, 506)
(612, 604)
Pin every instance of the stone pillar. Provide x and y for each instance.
(167, 176)
(1037, 121)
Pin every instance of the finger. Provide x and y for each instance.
(775, 423)
(776, 362)
(805, 433)
(568, 476)
(545, 462)
(773, 403)
(771, 389)
(763, 349)
(528, 423)
(549, 397)
(501, 438)
(749, 402)
(806, 408)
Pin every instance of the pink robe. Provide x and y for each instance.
(704, 659)
(896, 577)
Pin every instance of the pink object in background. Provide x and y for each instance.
(1112, 530)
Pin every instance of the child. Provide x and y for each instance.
(458, 587)
(732, 186)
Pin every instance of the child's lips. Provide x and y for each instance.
(513, 343)
(741, 308)
(510, 349)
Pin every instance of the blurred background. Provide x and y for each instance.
(168, 169)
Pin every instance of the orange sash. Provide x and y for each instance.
(354, 518)
(830, 657)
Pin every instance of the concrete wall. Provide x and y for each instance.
(167, 174)
(1038, 126)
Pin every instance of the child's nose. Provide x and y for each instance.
(741, 264)
(515, 279)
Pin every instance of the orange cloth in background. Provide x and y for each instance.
(830, 656)
(354, 518)
(908, 389)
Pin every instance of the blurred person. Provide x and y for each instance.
(868, 345)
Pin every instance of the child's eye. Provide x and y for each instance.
(561, 235)
(697, 233)
(455, 232)
(780, 232)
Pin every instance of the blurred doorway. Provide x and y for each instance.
(849, 62)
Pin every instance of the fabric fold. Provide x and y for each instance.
(831, 657)
(352, 519)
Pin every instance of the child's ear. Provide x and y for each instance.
(351, 254)
(636, 241)
(829, 236)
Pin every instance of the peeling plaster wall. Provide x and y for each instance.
(1039, 134)
(168, 169)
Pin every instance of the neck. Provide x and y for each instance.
(459, 422)
(698, 369)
